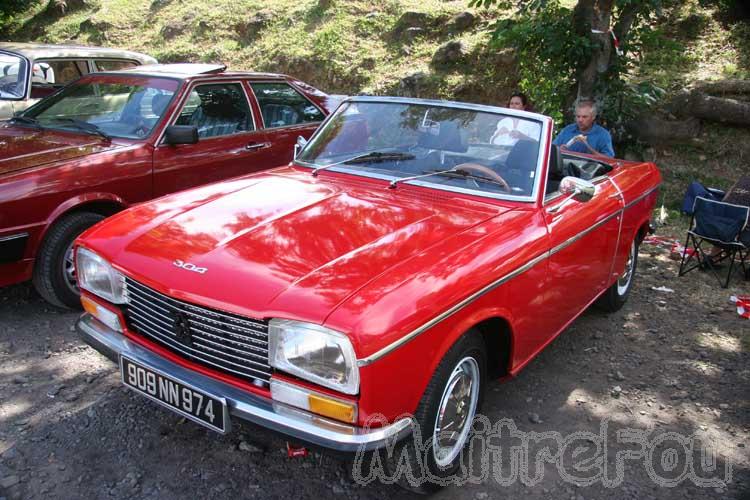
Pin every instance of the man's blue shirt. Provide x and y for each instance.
(597, 136)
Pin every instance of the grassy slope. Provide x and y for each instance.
(348, 47)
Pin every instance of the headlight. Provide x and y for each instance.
(314, 353)
(97, 276)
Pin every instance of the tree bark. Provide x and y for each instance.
(656, 131)
(724, 87)
(593, 18)
(718, 109)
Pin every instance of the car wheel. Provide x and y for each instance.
(54, 271)
(617, 294)
(444, 417)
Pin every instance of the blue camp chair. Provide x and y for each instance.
(719, 225)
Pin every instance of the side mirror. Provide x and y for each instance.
(578, 189)
(181, 134)
(301, 143)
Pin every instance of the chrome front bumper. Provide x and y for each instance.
(265, 412)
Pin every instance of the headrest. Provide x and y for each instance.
(523, 156)
(159, 103)
(448, 138)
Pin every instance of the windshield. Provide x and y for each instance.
(12, 76)
(116, 106)
(459, 149)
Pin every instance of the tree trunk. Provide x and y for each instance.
(718, 109)
(724, 87)
(655, 131)
(592, 18)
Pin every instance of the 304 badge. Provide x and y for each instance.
(178, 396)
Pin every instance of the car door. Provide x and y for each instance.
(229, 142)
(583, 238)
(286, 113)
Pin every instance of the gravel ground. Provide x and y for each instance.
(668, 362)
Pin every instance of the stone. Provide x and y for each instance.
(482, 495)
(449, 53)
(462, 21)
(411, 84)
(251, 27)
(20, 379)
(534, 418)
(245, 446)
(616, 391)
(619, 376)
(9, 481)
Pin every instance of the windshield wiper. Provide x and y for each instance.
(371, 157)
(85, 126)
(25, 120)
(452, 172)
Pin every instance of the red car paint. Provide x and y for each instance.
(346, 252)
(47, 173)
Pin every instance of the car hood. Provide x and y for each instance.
(280, 243)
(25, 147)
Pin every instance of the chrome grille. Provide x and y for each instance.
(227, 342)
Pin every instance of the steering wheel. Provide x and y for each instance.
(487, 172)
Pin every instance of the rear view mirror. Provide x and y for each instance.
(301, 143)
(578, 189)
(181, 134)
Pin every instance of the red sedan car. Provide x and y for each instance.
(110, 140)
(399, 263)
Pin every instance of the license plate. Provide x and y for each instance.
(176, 395)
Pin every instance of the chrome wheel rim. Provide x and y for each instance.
(456, 411)
(69, 269)
(623, 282)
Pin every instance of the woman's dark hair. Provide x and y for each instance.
(524, 100)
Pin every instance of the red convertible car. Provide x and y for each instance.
(398, 264)
(109, 140)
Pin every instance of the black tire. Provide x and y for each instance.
(617, 294)
(51, 274)
(468, 351)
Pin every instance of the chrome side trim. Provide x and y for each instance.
(403, 340)
(14, 237)
(298, 424)
(523, 268)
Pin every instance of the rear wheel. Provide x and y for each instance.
(616, 295)
(54, 271)
(444, 417)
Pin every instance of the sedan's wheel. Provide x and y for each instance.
(444, 418)
(616, 296)
(455, 411)
(54, 270)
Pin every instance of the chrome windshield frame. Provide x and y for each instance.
(544, 122)
(27, 76)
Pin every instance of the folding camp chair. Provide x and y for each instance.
(717, 225)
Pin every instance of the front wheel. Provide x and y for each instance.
(617, 294)
(54, 270)
(444, 417)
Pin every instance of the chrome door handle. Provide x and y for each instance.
(256, 145)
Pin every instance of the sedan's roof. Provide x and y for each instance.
(47, 51)
(191, 70)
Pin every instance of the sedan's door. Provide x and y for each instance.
(286, 114)
(229, 142)
(583, 238)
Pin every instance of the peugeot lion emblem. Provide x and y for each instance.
(182, 329)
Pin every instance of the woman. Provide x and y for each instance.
(511, 129)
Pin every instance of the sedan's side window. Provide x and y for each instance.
(282, 106)
(216, 110)
(112, 64)
(57, 72)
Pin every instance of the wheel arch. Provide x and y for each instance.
(100, 203)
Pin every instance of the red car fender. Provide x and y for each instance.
(78, 202)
